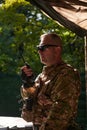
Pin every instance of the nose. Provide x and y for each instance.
(40, 51)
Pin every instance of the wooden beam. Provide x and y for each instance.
(86, 69)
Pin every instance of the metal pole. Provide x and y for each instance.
(86, 69)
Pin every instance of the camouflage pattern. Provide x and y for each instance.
(55, 94)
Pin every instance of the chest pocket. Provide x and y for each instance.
(48, 86)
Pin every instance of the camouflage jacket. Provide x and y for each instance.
(56, 93)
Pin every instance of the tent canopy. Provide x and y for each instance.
(70, 13)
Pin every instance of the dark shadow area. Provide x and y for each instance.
(81, 118)
(9, 95)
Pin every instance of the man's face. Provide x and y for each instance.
(48, 51)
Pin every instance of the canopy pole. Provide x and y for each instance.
(86, 69)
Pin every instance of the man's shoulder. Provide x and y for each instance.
(69, 67)
(71, 71)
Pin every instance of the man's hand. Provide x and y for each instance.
(27, 76)
(27, 71)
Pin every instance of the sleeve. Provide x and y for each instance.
(31, 89)
(28, 95)
(65, 96)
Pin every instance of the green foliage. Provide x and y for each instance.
(73, 51)
(21, 24)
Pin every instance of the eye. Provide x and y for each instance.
(41, 48)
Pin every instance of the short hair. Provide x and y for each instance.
(54, 37)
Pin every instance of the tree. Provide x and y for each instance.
(21, 25)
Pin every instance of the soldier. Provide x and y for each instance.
(51, 101)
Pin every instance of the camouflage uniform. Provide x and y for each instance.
(55, 97)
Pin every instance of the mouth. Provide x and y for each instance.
(42, 58)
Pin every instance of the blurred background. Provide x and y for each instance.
(21, 25)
